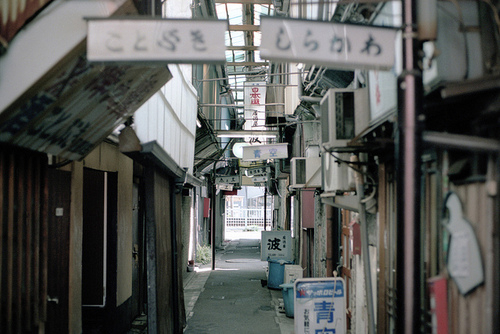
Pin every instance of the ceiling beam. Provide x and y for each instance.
(247, 63)
(243, 27)
(242, 47)
(253, 2)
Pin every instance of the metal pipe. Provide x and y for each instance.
(330, 267)
(265, 209)
(410, 95)
(461, 142)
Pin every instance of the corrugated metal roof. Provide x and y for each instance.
(77, 104)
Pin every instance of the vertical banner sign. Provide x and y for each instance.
(276, 245)
(320, 306)
(255, 109)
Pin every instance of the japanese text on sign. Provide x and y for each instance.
(330, 44)
(175, 41)
(276, 245)
(320, 306)
(255, 110)
(228, 179)
(264, 152)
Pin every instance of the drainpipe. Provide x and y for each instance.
(364, 248)
(330, 266)
(408, 148)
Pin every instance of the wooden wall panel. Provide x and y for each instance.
(23, 202)
(468, 314)
(163, 254)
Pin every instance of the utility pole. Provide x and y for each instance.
(410, 96)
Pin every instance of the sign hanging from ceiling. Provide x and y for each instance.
(156, 40)
(255, 109)
(265, 152)
(229, 179)
(335, 45)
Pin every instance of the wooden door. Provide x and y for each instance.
(58, 251)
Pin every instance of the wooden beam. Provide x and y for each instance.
(247, 63)
(243, 27)
(252, 2)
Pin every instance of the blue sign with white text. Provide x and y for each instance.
(320, 306)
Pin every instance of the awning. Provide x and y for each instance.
(73, 105)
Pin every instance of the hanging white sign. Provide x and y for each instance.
(330, 44)
(152, 40)
(232, 179)
(265, 152)
(255, 109)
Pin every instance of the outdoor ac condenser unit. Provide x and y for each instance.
(344, 114)
(305, 172)
(336, 176)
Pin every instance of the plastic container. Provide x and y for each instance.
(292, 272)
(276, 273)
(287, 291)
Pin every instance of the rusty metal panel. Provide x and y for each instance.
(308, 209)
(77, 105)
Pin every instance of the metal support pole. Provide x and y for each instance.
(212, 223)
(265, 209)
(410, 94)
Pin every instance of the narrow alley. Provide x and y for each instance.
(233, 297)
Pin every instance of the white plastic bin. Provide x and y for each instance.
(292, 272)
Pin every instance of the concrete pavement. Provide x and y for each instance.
(231, 298)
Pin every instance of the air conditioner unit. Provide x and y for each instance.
(460, 49)
(344, 114)
(305, 172)
(336, 176)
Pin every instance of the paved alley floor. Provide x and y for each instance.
(231, 299)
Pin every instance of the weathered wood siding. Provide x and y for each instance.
(23, 240)
(472, 313)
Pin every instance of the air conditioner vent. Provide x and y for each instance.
(344, 114)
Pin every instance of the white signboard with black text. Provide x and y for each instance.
(233, 179)
(320, 305)
(153, 40)
(276, 245)
(335, 45)
(265, 152)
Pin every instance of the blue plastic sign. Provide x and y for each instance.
(276, 245)
(334, 45)
(320, 306)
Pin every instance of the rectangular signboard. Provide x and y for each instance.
(276, 245)
(257, 171)
(335, 45)
(265, 152)
(255, 109)
(156, 40)
(228, 179)
(320, 305)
